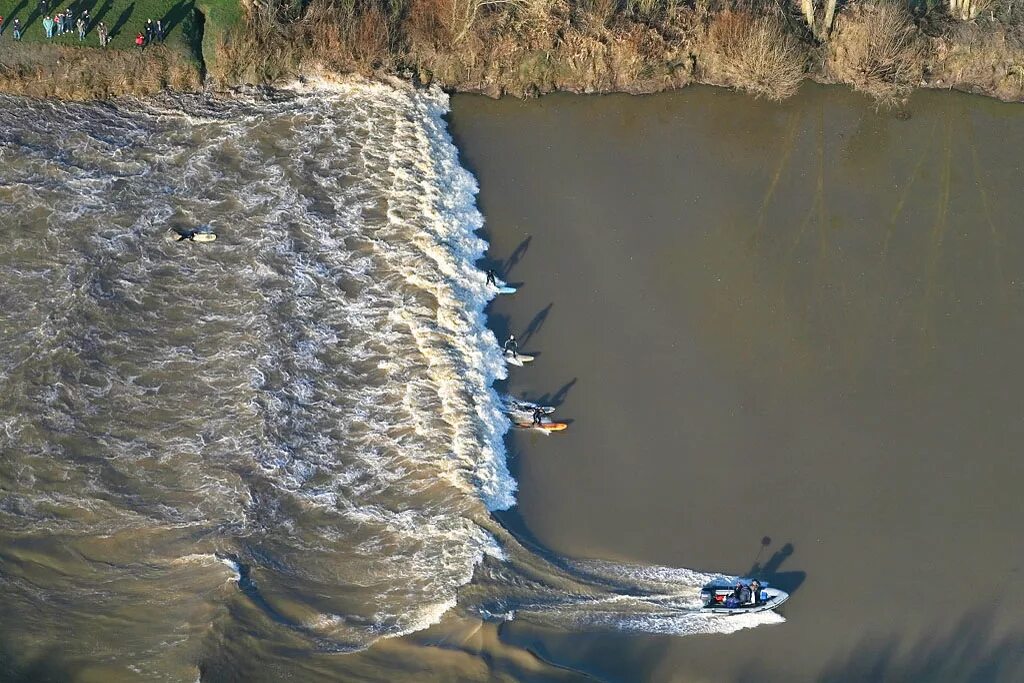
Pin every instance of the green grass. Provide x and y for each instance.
(124, 19)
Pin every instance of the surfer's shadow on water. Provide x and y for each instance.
(554, 399)
(503, 267)
(536, 324)
(769, 571)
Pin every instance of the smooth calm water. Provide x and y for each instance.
(255, 459)
(802, 321)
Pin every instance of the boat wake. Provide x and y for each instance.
(306, 406)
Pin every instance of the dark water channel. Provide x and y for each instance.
(800, 321)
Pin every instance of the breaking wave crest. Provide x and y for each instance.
(301, 418)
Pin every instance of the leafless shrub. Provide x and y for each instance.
(876, 50)
(756, 54)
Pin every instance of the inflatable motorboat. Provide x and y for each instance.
(722, 597)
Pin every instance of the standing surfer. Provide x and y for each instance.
(512, 345)
(492, 278)
(538, 415)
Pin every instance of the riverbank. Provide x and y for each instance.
(531, 47)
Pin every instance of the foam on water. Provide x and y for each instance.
(309, 402)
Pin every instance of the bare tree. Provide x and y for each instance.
(820, 18)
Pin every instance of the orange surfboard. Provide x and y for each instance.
(546, 426)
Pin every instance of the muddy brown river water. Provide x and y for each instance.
(800, 321)
(786, 337)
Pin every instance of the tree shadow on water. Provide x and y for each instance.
(47, 666)
(969, 652)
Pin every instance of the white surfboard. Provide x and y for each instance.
(175, 236)
(517, 360)
(505, 289)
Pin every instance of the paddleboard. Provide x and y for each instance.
(544, 426)
(518, 360)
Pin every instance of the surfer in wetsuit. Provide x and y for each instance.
(538, 415)
(189, 235)
(492, 278)
(512, 345)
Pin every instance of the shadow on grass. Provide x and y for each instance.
(126, 14)
(94, 20)
(176, 15)
(9, 19)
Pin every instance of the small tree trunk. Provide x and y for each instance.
(830, 13)
(807, 7)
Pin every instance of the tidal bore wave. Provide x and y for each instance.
(291, 434)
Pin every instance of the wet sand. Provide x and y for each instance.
(798, 321)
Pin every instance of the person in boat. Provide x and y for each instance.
(755, 591)
(512, 345)
(741, 594)
(492, 278)
(538, 415)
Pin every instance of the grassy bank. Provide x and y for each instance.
(527, 47)
(64, 66)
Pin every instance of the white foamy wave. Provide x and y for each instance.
(306, 404)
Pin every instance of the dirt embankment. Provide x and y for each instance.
(77, 73)
(530, 47)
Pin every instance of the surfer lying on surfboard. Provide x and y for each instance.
(195, 236)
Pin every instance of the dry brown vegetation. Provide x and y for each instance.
(528, 47)
(757, 54)
(81, 73)
(876, 48)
